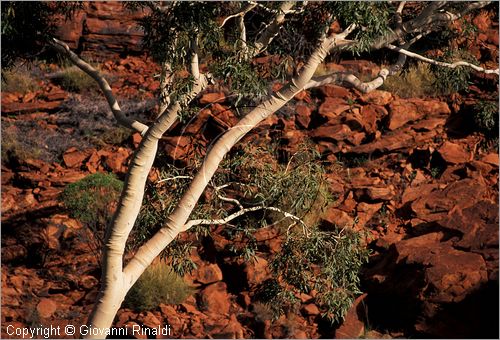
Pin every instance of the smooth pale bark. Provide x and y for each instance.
(113, 287)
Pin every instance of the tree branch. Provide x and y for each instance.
(62, 48)
(271, 30)
(247, 8)
(174, 223)
(239, 213)
(440, 63)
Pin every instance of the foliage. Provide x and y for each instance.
(158, 284)
(253, 177)
(24, 34)
(486, 117)
(92, 200)
(416, 81)
(372, 20)
(20, 80)
(326, 261)
(451, 80)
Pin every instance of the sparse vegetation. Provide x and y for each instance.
(416, 81)
(16, 149)
(19, 80)
(75, 80)
(158, 284)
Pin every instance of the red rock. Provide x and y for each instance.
(70, 31)
(233, 329)
(310, 309)
(136, 139)
(428, 124)
(303, 115)
(478, 225)
(302, 95)
(213, 97)
(371, 114)
(436, 205)
(46, 308)
(88, 282)
(332, 107)
(13, 252)
(10, 108)
(361, 67)
(377, 97)
(28, 97)
(74, 159)
(256, 271)
(117, 160)
(452, 273)
(374, 193)
(482, 21)
(208, 274)
(70, 176)
(392, 141)
(353, 325)
(338, 218)
(150, 320)
(403, 111)
(454, 153)
(214, 298)
(332, 132)
(335, 91)
(491, 158)
(412, 192)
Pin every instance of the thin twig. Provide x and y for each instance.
(440, 63)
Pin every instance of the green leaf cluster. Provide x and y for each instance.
(371, 18)
(92, 200)
(486, 117)
(325, 261)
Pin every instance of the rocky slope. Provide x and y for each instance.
(410, 172)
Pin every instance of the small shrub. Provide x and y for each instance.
(75, 80)
(158, 284)
(19, 80)
(486, 117)
(326, 261)
(416, 81)
(92, 200)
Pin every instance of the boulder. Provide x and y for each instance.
(454, 153)
(208, 273)
(214, 298)
(46, 308)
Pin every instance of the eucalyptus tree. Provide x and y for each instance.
(216, 43)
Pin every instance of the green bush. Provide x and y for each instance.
(326, 261)
(451, 80)
(92, 200)
(158, 284)
(486, 117)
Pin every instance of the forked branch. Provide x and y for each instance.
(133, 124)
